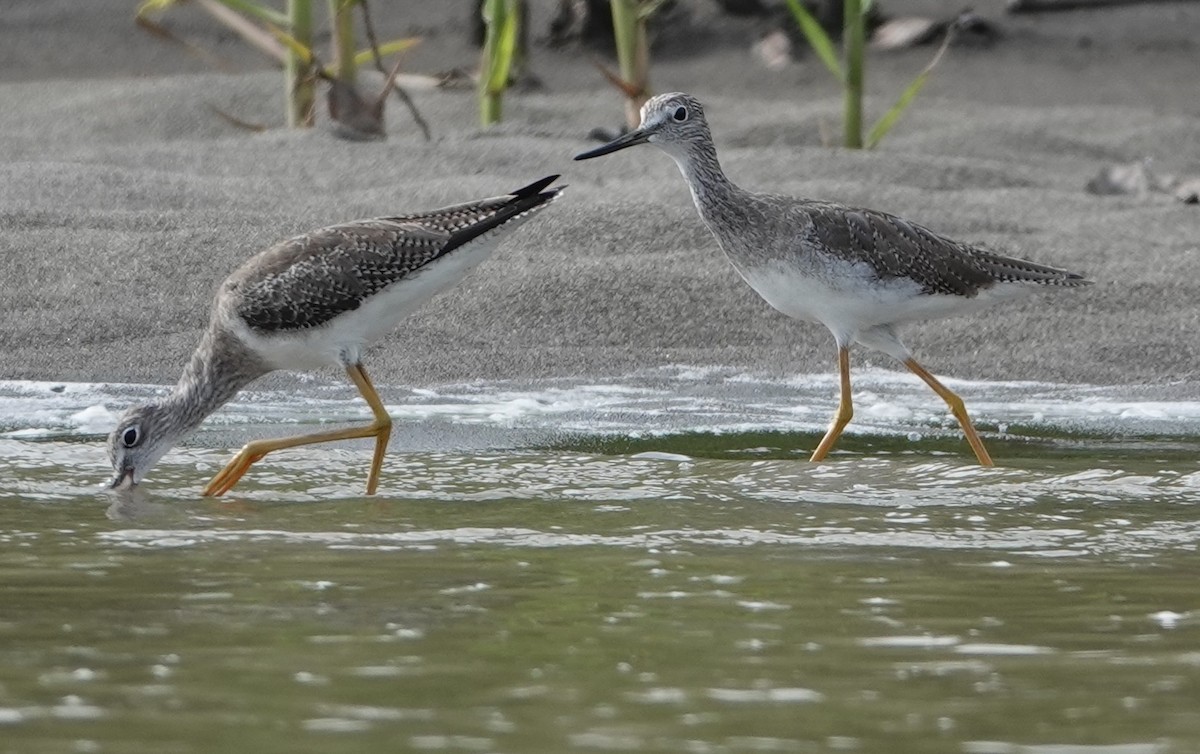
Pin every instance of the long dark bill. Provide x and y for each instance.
(631, 139)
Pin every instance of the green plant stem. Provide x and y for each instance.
(342, 16)
(499, 48)
(490, 103)
(491, 108)
(300, 87)
(853, 43)
(629, 31)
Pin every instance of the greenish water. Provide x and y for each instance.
(693, 594)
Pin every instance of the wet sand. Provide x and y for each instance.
(124, 200)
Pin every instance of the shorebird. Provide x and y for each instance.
(316, 300)
(860, 272)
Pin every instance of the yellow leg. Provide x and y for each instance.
(957, 408)
(845, 409)
(382, 424)
(380, 429)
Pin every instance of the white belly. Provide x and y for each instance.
(849, 299)
(343, 339)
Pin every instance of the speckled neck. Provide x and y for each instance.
(711, 190)
(220, 366)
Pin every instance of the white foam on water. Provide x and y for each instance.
(776, 695)
(668, 399)
(336, 725)
(1167, 619)
(922, 641)
(11, 716)
(979, 648)
(452, 743)
(670, 695)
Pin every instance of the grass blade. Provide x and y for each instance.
(262, 13)
(302, 52)
(363, 57)
(153, 6)
(253, 35)
(817, 38)
(162, 32)
(235, 121)
(884, 124)
(630, 90)
(648, 8)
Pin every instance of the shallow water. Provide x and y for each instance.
(646, 564)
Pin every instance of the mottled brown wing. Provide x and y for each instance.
(306, 281)
(897, 248)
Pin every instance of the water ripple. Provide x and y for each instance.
(1048, 542)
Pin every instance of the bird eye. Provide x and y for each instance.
(131, 437)
(680, 114)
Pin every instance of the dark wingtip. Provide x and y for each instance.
(1073, 279)
(536, 187)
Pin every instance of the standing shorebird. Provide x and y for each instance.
(312, 301)
(859, 272)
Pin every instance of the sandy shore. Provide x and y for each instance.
(124, 200)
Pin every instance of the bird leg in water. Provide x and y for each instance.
(380, 429)
(956, 407)
(845, 408)
(382, 424)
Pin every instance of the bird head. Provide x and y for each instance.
(672, 122)
(141, 437)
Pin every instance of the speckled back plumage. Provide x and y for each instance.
(308, 280)
(897, 248)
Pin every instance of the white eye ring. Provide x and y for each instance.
(680, 114)
(130, 437)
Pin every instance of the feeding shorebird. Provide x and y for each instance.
(859, 272)
(317, 300)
